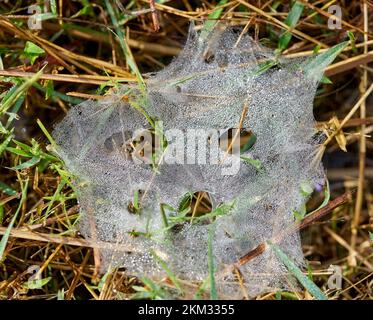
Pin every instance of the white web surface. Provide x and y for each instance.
(205, 87)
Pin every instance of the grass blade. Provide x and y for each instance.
(19, 91)
(24, 165)
(6, 189)
(46, 133)
(5, 143)
(4, 239)
(209, 25)
(36, 283)
(213, 292)
(303, 279)
(123, 43)
(314, 66)
(170, 274)
(291, 20)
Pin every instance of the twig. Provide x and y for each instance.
(154, 15)
(52, 238)
(88, 79)
(349, 64)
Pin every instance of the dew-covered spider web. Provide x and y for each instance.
(221, 80)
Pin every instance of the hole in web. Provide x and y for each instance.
(246, 138)
(197, 204)
(192, 206)
(143, 146)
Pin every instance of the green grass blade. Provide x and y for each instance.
(46, 133)
(4, 106)
(170, 274)
(4, 239)
(123, 43)
(303, 279)
(24, 165)
(61, 295)
(291, 20)
(213, 291)
(55, 95)
(201, 289)
(36, 284)
(209, 25)
(53, 7)
(314, 66)
(5, 143)
(6, 189)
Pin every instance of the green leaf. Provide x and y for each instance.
(185, 201)
(103, 280)
(136, 200)
(299, 215)
(291, 21)
(315, 65)
(32, 51)
(23, 146)
(352, 38)
(53, 6)
(55, 95)
(6, 189)
(306, 188)
(316, 49)
(61, 295)
(265, 66)
(211, 265)
(303, 279)
(3, 130)
(45, 16)
(155, 291)
(49, 89)
(18, 152)
(248, 145)
(254, 162)
(1, 214)
(326, 80)
(37, 283)
(4, 239)
(18, 92)
(278, 295)
(371, 235)
(221, 210)
(24, 165)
